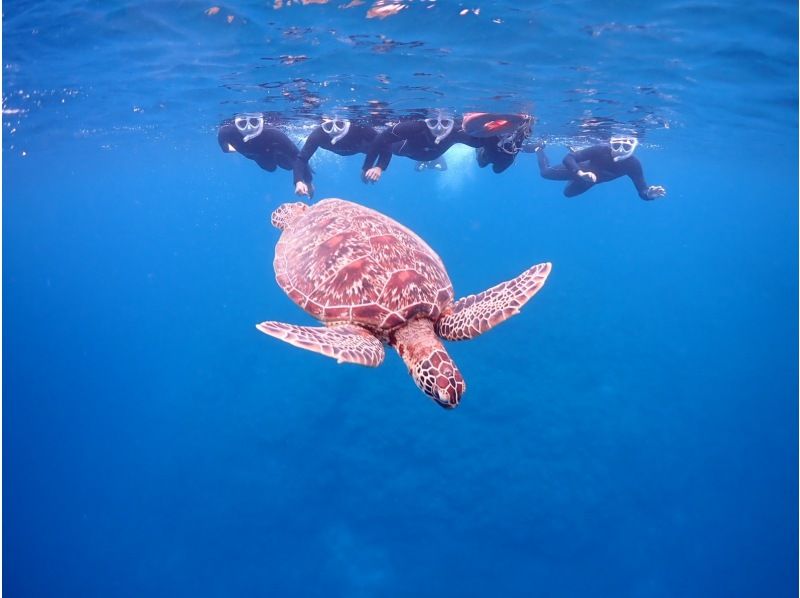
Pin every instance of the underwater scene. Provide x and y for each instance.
(258, 259)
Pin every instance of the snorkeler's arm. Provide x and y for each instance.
(463, 137)
(371, 157)
(634, 171)
(380, 150)
(225, 137)
(646, 192)
(273, 149)
(301, 169)
(574, 159)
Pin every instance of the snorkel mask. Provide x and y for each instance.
(440, 127)
(622, 148)
(512, 143)
(336, 128)
(249, 125)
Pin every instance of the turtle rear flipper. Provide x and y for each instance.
(345, 343)
(475, 314)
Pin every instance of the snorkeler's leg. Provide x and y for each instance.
(553, 173)
(576, 187)
(308, 176)
(480, 156)
(502, 163)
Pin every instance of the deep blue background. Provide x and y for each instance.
(632, 433)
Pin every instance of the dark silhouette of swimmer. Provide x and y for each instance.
(599, 164)
(337, 135)
(250, 136)
(500, 151)
(421, 140)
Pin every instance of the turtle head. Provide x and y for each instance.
(433, 370)
(438, 377)
(287, 214)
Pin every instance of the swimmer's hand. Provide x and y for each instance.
(589, 177)
(655, 191)
(301, 189)
(373, 175)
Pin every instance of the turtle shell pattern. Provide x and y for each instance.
(342, 262)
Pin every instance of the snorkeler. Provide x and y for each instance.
(267, 146)
(599, 164)
(337, 135)
(501, 150)
(422, 140)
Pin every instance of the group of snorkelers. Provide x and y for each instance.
(497, 139)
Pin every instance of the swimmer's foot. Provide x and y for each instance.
(480, 156)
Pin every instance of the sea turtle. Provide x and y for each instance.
(373, 281)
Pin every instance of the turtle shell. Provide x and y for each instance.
(342, 262)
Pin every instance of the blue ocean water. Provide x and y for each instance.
(633, 432)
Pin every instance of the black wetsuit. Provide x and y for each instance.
(598, 160)
(271, 149)
(413, 139)
(357, 141)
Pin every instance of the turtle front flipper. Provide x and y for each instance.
(475, 314)
(346, 343)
